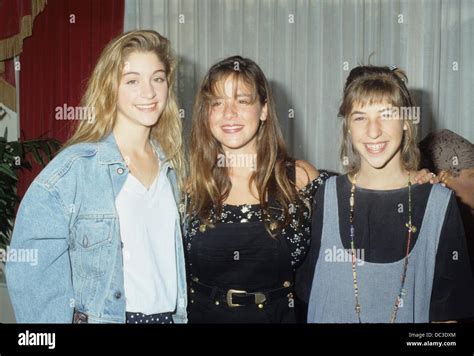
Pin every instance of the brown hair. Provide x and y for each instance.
(209, 184)
(370, 84)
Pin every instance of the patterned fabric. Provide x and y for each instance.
(139, 318)
(297, 233)
(445, 150)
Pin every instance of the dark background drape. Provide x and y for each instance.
(56, 62)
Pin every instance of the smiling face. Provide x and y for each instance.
(234, 118)
(376, 133)
(143, 89)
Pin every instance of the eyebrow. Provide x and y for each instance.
(238, 96)
(363, 113)
(136, 73)
(357, 113)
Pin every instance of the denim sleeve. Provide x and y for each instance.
(40, 286)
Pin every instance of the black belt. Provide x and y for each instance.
(238, 298)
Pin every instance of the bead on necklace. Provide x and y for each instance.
(411, 229)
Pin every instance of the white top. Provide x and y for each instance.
(148, 220)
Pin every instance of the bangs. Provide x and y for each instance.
(374, 91)
(241, 83)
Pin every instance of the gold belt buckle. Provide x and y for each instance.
(259, 297)
(229, 297)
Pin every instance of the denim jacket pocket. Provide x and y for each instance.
(93, 249)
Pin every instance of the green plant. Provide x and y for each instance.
(14, 156)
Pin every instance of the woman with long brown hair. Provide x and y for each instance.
(249, 202)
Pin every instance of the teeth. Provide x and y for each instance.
(375, 147)
(145, 106)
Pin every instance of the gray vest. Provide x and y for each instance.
(332, 297)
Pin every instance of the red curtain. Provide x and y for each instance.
(16, 23)
(10, 25)
(9, 74)
(57, 61)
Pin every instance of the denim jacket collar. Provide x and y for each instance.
(109, 152)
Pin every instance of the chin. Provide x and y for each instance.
(148, 122)
(233, 144)
(377, 164)
(378, 161)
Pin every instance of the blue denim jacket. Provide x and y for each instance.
(68, 215)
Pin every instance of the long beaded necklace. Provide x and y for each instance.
(411, 229)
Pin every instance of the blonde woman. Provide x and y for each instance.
(103, 215)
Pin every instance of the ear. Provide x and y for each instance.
(263, 115)
(405, 126)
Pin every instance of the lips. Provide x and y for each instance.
(147, 107)
(375, 148)
(230, 129)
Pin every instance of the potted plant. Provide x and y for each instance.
(14, 156)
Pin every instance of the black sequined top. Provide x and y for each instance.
(297, 233)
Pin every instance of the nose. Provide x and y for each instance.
(147, 90)
(374, 129)
(230, 110)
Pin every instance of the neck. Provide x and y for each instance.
(249, 149)
(389, 177)
(242, 162)
(132, 138)
(240, 172)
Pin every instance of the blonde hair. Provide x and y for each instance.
(371, 84)
(102, 91)
(209, 185)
